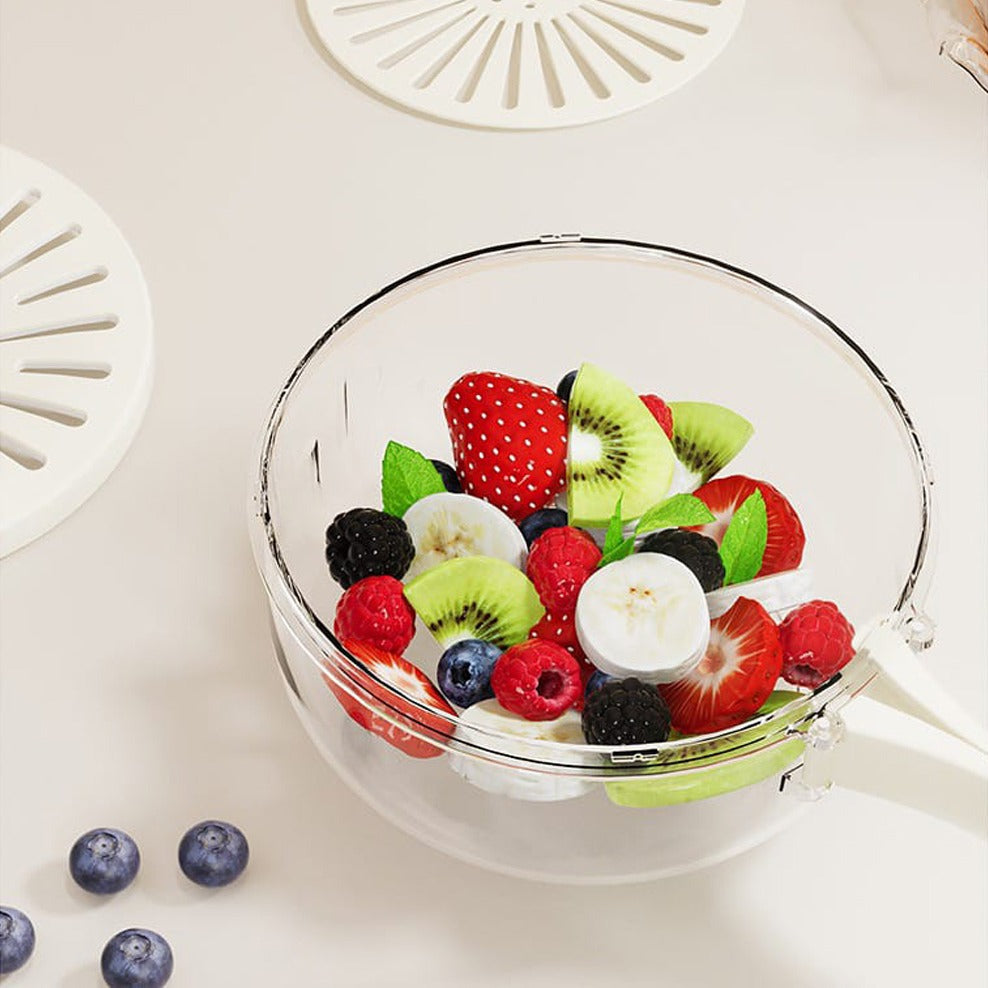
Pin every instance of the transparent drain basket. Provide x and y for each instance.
(830, 432)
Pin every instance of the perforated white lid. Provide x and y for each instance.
(526, 64)
(75, 348)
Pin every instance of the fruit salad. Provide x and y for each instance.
(588, 575)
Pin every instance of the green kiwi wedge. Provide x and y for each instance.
(716, 779)
(616, 449)
(707, 437)
(475, 597)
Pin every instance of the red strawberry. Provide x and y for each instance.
(661, 412)
(560, 561)
(817, 641)
(785, 531)
(734, 678)
(407, 680)
(509, 441)
(561, 629)
(374, 610)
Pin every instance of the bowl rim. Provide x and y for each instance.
(777, 725)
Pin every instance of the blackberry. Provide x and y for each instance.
(365, 542)
(625, 711)
(698, 552)
(450, 481)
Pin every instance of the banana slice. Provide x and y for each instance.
(447, 526)
(643, 616)
(517, 783)
(778, 593)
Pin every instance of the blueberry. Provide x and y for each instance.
(104, 861)
(136, 959)
(595, 682)
(448, 474)
(565, 387)
(213, 853)
(16, 939)
(464, 673)
(539, 521)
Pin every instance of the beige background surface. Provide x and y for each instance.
(828, 148)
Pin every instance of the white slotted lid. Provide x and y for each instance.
(75, 348)
(524, 64)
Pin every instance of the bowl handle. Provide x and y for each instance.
(887, 753)
(908, 740)
(904, 683)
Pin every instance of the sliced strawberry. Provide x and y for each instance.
(661, 412)
(786, 538)
(509, 441)
(407, 680)
(735, 676)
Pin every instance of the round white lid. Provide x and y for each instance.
(524, 64)
(75, 348)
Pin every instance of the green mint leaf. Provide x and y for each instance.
(406, 477)
(615, 529)
(616, 546)
(675, 512)
(624, 548)
(744, 541)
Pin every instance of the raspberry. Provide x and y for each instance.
(816, 643)
(626, 711)
(562, 631)
(560, 561)
(374, 611)
(661, 412)
(537, 680)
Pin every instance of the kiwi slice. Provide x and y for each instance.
(616, 448)
(475, 597)
(716, 779)
(707, 437)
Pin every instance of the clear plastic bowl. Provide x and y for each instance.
(830, 433)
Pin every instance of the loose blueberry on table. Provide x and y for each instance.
(16, 939)
(104, 861)
(137, 958)
(563, 562)
(213, 853)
